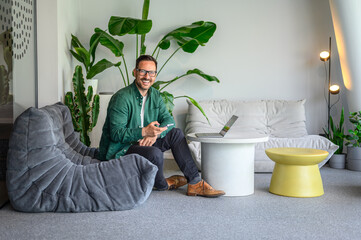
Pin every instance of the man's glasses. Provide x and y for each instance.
(143, 72)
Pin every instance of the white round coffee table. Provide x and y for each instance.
(228, 163)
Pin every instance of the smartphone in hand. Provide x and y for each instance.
(168, 125)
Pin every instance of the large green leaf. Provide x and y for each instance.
(77, 56)
(190, 37)
(98, 68)
(195, 103)
(145, 13)
(93, 43)
(84, 55)
(75, 42)
(110, 42)
(207, 77)
(203, 75)
(168, 99)
(121, 26)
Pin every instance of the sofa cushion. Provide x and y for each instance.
(276, 118)
(286, 118)
(252, 116)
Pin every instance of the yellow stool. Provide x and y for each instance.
(296, 173)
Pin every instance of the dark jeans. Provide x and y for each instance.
(175, 141)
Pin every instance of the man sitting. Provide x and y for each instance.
(136, 122)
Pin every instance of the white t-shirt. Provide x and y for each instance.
(142, 111)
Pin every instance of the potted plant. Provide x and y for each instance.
(84, 103)
(337, 135)
(353, 142)
(188, 38)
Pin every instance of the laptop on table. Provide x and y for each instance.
(222, 133)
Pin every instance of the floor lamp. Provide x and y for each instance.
(325, 56)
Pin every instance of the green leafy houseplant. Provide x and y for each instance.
(354, 137)
(188, 38)
(87, 57)
(84, 108)
(336, 133)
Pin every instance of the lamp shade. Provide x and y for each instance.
(334, 89)
(324, 56)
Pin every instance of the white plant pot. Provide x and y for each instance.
(337, 161)
(96, 133)
(354, 158)
(93, 83)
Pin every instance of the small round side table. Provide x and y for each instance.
(296, 173)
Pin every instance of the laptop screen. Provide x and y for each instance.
(228, 125)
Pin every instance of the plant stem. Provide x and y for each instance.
(158, 53)
(126, 68)
(169, 59)
(155, 49)
(136, 46)
(125, 84)
(179, 97)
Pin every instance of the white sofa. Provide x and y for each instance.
(283, 121)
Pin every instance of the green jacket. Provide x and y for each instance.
(122, 126)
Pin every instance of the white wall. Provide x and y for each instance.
(47, 24)
(346, 19)
(23, 49)
(56, 21)
(261, 50)
(68, 23)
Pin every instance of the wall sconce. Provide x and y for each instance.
(325, 56)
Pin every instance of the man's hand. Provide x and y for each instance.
(152, 130)
(147, 141)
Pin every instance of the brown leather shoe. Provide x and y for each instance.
(176, 181)
(203, 189)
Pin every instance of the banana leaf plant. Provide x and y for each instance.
(188, 38)
(87, 57)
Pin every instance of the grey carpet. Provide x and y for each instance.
(173, 215)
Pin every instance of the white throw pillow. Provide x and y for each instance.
(252, 116)
(286, 118)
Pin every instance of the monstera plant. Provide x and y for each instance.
(188, 39)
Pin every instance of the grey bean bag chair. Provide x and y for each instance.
(49, 169)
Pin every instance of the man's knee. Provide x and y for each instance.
(176, 134)
(155, 155)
